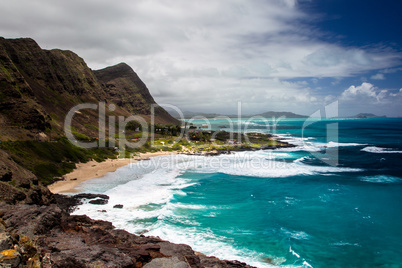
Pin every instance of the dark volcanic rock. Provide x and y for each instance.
(90, 196)
(118, 206)
(19, 185)
(9, 170)
(69, 203)
(31, 220)
(78, 241)
(10, 194)
(99, 201)
(66, 203)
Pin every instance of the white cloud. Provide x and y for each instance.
(391, 70)
(369, 98)
(398, 94)
(197, 53)
(365, 90)
(379, 76)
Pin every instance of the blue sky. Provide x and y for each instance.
(362, 24)
(280, 55)
(358, 23)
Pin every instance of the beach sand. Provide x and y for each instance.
(93, 169)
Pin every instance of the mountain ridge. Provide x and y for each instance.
(188, 114)
(367, 115)
(126, 89)
(38, 87)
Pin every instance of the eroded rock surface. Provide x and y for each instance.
(50, 236)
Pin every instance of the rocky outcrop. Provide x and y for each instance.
(47, 235)
(20, 185)
(125, 88)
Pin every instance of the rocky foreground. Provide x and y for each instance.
(47, 236)
(36, 230)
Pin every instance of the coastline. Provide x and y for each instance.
(93, 169)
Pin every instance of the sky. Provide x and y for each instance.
(209, 55)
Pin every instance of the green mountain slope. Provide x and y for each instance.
(38, 87)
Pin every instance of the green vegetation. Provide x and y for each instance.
(172, 130)
(79, 136)
(3, 96)
(6, 72)
(93, 127)
(48, 160)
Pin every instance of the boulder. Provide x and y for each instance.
(5, 241)
(31, 220)
(10, 257)
(98, 201)
(10, 194)
(90, 196)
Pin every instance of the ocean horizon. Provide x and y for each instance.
(333, 200)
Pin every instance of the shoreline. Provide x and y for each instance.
(93, 170)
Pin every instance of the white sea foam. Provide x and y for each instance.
(309, 145)
(340, 144)
(381, 179)
(380, 150)
(298, 235)
(267, 168)
(147, 189)
(142, 198)
(302, 144)
(203, 240)
(159, 181)
(306, 264)
(259, 164)
(294, 252)
(341, 243)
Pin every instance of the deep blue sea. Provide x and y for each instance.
(334, 200)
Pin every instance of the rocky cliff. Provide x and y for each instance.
(125, 88)
(38, 87)
(46, 236)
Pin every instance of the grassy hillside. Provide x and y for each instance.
(52, 159)
(39, 87)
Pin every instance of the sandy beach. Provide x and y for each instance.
(93, 169)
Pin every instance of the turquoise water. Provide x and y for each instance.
(288, 207)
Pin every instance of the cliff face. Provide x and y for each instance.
(125, 88)
(17, 98)
(18, 184)
(38, 87)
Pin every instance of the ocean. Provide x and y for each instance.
(334, 200)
